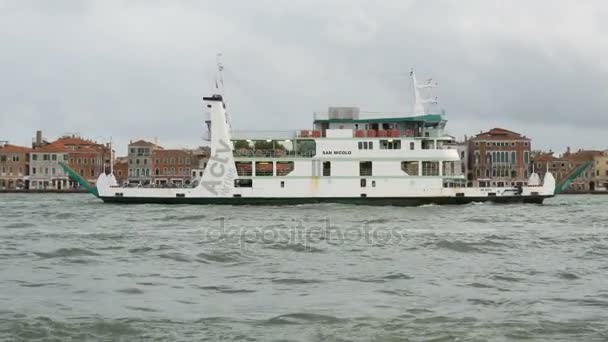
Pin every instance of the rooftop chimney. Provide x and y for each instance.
(38, 138)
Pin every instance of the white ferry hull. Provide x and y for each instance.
(372, 201)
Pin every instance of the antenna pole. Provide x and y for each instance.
(220, 75)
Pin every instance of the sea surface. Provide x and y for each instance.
(74, 269)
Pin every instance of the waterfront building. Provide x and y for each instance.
(88, 158)
(45, 173)
(140, 161)
(582, 159)
(499, 157)
(14, 166)
(121, 169)
(580, 166)
(172, 166)
(600, 164)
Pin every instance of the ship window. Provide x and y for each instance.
(366, 145)
(326, 169)
(410, 167)
(284, 168)
(412, 146)
(282, 184)
(430, 168)
(243, 168)
(373, 184)
(363, 183)
(450, 168)
(263, 168)
(365, 168)
(390, 144)
(243, 183)
(428, 145)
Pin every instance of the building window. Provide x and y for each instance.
(326, 169)
(412, 146)
(157, 171)
(165, 170)
(53, 157)
(45, 157)
(526, 157)
(34, 157)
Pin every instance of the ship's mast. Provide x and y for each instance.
(419, 101)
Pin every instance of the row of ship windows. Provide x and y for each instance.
(384, 145)
(501, 143)
(157, 172)
(412, 168)
(144, 161)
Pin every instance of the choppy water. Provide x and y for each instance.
(72, 268)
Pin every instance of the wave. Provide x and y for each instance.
(295, 281)
(17, 225)
(130, 290)
(458, 246)
(66, 252)
(176, 257)
(228, 257)
(223, 289)
(294, 247)
(303, 318)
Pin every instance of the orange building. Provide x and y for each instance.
(172, 166)
(88, 158)
(499, 157)
(14, 167)
(121, 169)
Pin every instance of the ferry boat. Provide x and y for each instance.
(348, 157)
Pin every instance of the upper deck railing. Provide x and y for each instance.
(370, 133)
(276, 153)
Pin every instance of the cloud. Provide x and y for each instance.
(138, 69)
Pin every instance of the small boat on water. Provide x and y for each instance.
(348, 157)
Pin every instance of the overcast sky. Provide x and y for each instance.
(138, 69)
